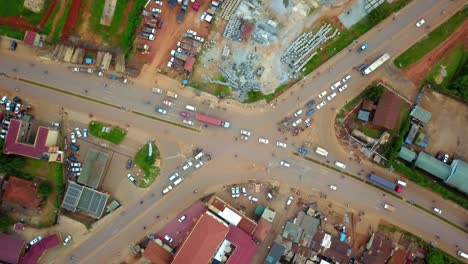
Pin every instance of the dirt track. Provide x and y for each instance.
(418, 71)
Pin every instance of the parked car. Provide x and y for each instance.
(297, 122)
(187, 165)
(72, 159)
(188, 122)
(335, 85)
(182, 218)
(35, 240)
(332, 187)
(446, 158)
(346, 78)
(437, 210)
(160, 3)
(199, 165)
(285, 164)
(161, 110)
(157, 90)
(245, 132)
(189, 31)
(73, 137)
(298, 113)
(168, 103)
(310, 112)
(78, 132)
(184, 114)
(342, 88)
(131, 178)
(253, 199)
(281, 144)
(129, 164)
(74, 147)
(17, 108)
(156, 10)
(289, 201)
(200, 39)
(85, 132)
(321, 105)
(322, 94)
(4, 100)
(310, 103)
(331, 96)
(263, 140)
(420, 23)
(244, 191)
(363, 47)
(67, 240)
(168, 238)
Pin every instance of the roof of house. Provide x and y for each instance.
(368, 105)
(89, 201)
(363, 115)
(388, 110)
(398, 257)
(459, 176)
(231, 215)
(247, 29)
(36, 251)
(421, 114)
(308, 223)
(11, 248)
(378, 251)
(292, 232)
(93, 168)
(338, 251)
(157, 254)
(407, 154)
(189, 64)
(275, 254)
(245, 246)
(269, 215)
(22, 192)
(12, 146)
(433, 166)
(30, 37)
(263, 229)
(203, 241)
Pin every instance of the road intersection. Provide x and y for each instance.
(246, 160)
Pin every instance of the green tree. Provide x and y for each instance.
(374, 93)
(44, 189)
(5, 223)
(461, 85)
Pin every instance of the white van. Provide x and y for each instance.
(199, 155)
(340, 165)
(6, 122)
(191, 108)
(179, 180)
(321, 151)
(462, 254)
(401, 183)
(175, 175)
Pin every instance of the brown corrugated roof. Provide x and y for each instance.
(22, 192)
(156, 254)
(203, 242)
(263, 229)
(368, 105)
(388, 111)
(399, 257)
(379, 251)
(245, 224)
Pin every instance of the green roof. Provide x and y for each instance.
(292, 232)
(421, 114)
(407, 154)
(459, 177)
(259, 209)
(92, 202)
(433, 166)
(93, 168)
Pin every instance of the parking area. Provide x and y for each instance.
(180, 227)
(446, 130)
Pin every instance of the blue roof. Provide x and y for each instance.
(363, 115)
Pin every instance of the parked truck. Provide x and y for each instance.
(176, 61)
(389, 207)
(142, 46)
(211, 120)
(172, 94)
(181, 15)
(376, 64)
(179, 55)
(387, 184)
(321, 151)
(145, 35)
(152, 22)
(185, 46)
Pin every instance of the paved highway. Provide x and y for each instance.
(244, 158)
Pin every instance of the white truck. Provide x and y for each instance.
(321, 151)
(376, 64)
(389, 207)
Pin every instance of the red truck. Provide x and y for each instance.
(212, 120)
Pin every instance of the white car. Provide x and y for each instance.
(161, 110)
(17, 108)
(290, 200)
(191, 32)
(168, 238)
(342, 88)
(200, 39)
(285, 164)
(298, 113)
(420, 23)
(157, 90)
(332, 187)
(297, 122)
(253, 199)
(168, 103)
(321, 105)
(331, 96)
(4, 99)
(78, 132)
(281, 144)
(437, 210)
(182, 218)
(67, 240)
(100, 74)
(199, 165)
(73, 137)
(167, 189)
(335, 85)
(35, 240)
(131, 178)
(322, 94)
(346, 78)
(158, 3)
(203, 16)
(263, 140)
(307, 122)
(188, 122)
(187, 165)
(245, 132)
(156, 10)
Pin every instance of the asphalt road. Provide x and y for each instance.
(245, 160)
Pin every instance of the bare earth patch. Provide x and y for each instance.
(33, 5)
(418, 71)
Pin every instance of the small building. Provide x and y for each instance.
(264, 228)
(21, 192)
(363, 115)
(82, 199)
(407, 154)
(459, 176)
(35, 39)
(11, 248)
(388, 111)
(368, 105)
(188, 66)
(156, 253)
(421, 114)
(302, 229)
(275, 254)
(378, 250)
(231, 215)
(433, 166)
(93, 169)
(247, 29)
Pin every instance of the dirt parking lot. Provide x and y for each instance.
(447, 128)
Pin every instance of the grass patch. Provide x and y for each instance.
(16, 8)
(134, 20)
(147, 163)
(371, 132)
(254, 96)
(61, 23)
(6, 30)
(372, 92)
(432, 40)
(115, 134)
(48, 25)
(223, 91)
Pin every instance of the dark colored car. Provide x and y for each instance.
(303, 151)
(14, 45)
(361, 67)
(310, 103)
(310, 112)
(72, 158)
(74, 147)
(440, 155)
(159, 24)
(184, 114)
(129, 163)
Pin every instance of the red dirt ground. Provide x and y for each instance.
(71, 19)
(47, 14)
(17, 22)
(418, 71)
